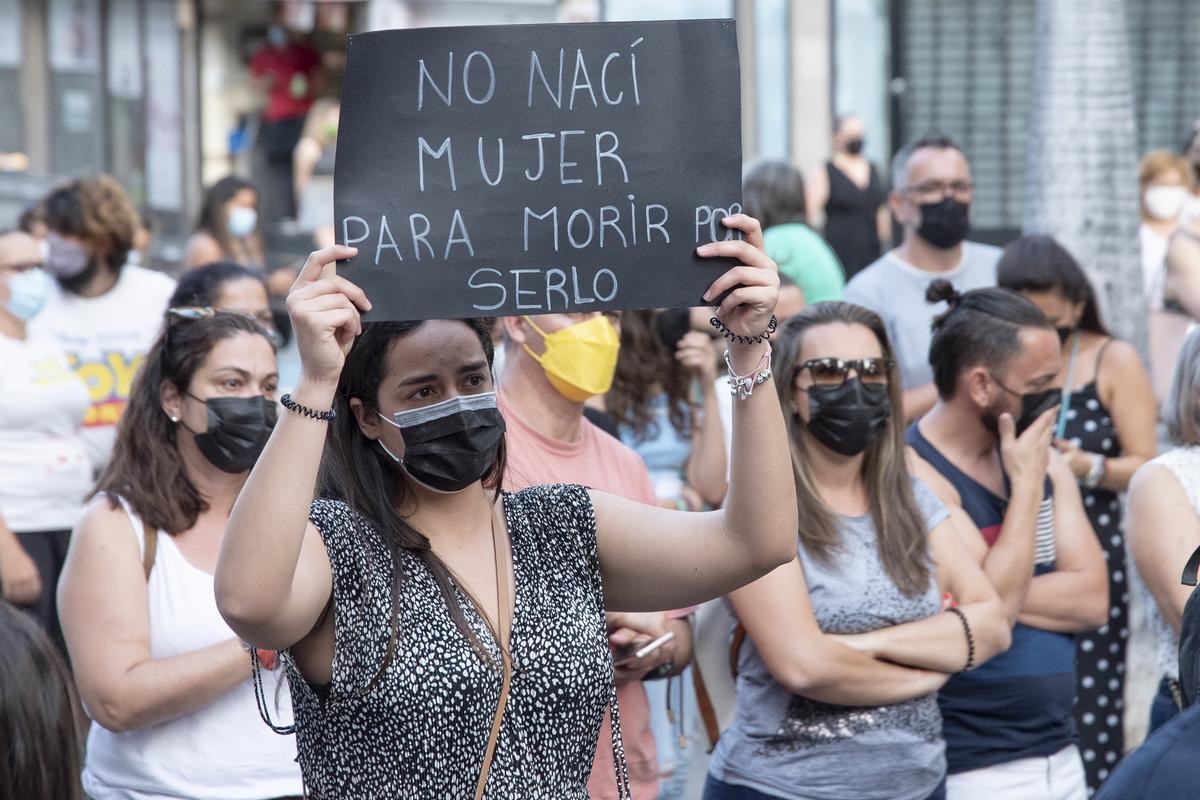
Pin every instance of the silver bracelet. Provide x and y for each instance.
(742, 386)
(1096, 473)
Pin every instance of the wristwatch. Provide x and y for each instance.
(660, 672)
(1096, 473)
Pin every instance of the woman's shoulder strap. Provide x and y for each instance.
(1100, 356)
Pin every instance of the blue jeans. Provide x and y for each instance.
(719, 790)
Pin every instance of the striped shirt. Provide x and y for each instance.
(1018, 704)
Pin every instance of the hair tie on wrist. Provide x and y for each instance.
(970, 639)
(291, 405)
(730, 335)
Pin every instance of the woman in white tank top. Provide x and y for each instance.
(1164, 520)
(166, 682)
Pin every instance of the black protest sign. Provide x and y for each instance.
(530, 169)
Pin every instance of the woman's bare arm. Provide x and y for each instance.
(779, 620)
(273, 577)
(102, 603)
(1074, 597)
(938, 642)
(1130, 401)
(1162, 530)
(706, 464)
(654, 558)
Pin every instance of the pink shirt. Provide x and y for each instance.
(601, 462)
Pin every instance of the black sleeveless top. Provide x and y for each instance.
(850, 218)
(422, 729)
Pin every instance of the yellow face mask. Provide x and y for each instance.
(579, 360)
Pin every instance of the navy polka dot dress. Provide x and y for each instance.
(1100, 654)
(421, 730)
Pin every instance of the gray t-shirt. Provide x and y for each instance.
(786, 745)
(895, 290)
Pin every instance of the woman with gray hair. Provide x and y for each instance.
(1164, 521)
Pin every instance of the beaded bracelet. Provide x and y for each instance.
(970, 639)
(728, 334)
(742, 386)
(291, 405)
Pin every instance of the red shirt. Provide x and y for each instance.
(282, 66)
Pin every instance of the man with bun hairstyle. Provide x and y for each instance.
(985, 447)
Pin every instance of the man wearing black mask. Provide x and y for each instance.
(1008, 725)
(931, 197)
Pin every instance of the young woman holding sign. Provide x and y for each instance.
(445, 639)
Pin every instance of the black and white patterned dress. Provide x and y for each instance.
(421, 731)
(1100, 654)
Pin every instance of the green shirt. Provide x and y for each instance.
(804, 257)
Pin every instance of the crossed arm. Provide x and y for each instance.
(939, 642)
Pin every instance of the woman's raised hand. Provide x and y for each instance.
(325, 311)
(747, 310)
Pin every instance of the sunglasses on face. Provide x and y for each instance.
(835, 371)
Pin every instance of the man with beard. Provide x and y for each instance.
(103, 312)
(1008, 725)
(931, 198)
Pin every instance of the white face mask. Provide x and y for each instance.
(242, 221)
(1164, 202)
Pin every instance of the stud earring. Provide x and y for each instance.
(174, 419)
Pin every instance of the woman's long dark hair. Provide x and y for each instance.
(145, 467)
(899, 525)
(357, 471)
(1038, 263)
(39, 738)
(212, 210)
(646, 367)
(202, 286)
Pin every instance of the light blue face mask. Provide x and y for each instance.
(28, 292)
(242, 221)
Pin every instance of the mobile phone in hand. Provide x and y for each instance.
(635, 651)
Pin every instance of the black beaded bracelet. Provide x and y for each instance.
(970, 639)
(291, 405)
(728, 334)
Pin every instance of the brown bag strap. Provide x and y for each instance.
(708, 714)
(735, 647)
(149, 548)
(504, 632)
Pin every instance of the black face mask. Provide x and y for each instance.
(944, 224)
(77, 283)
(450, 445)
(1033, 405)
(854, 146)
(848, 418)
(237, 432)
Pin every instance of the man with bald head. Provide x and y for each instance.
(931, 198)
